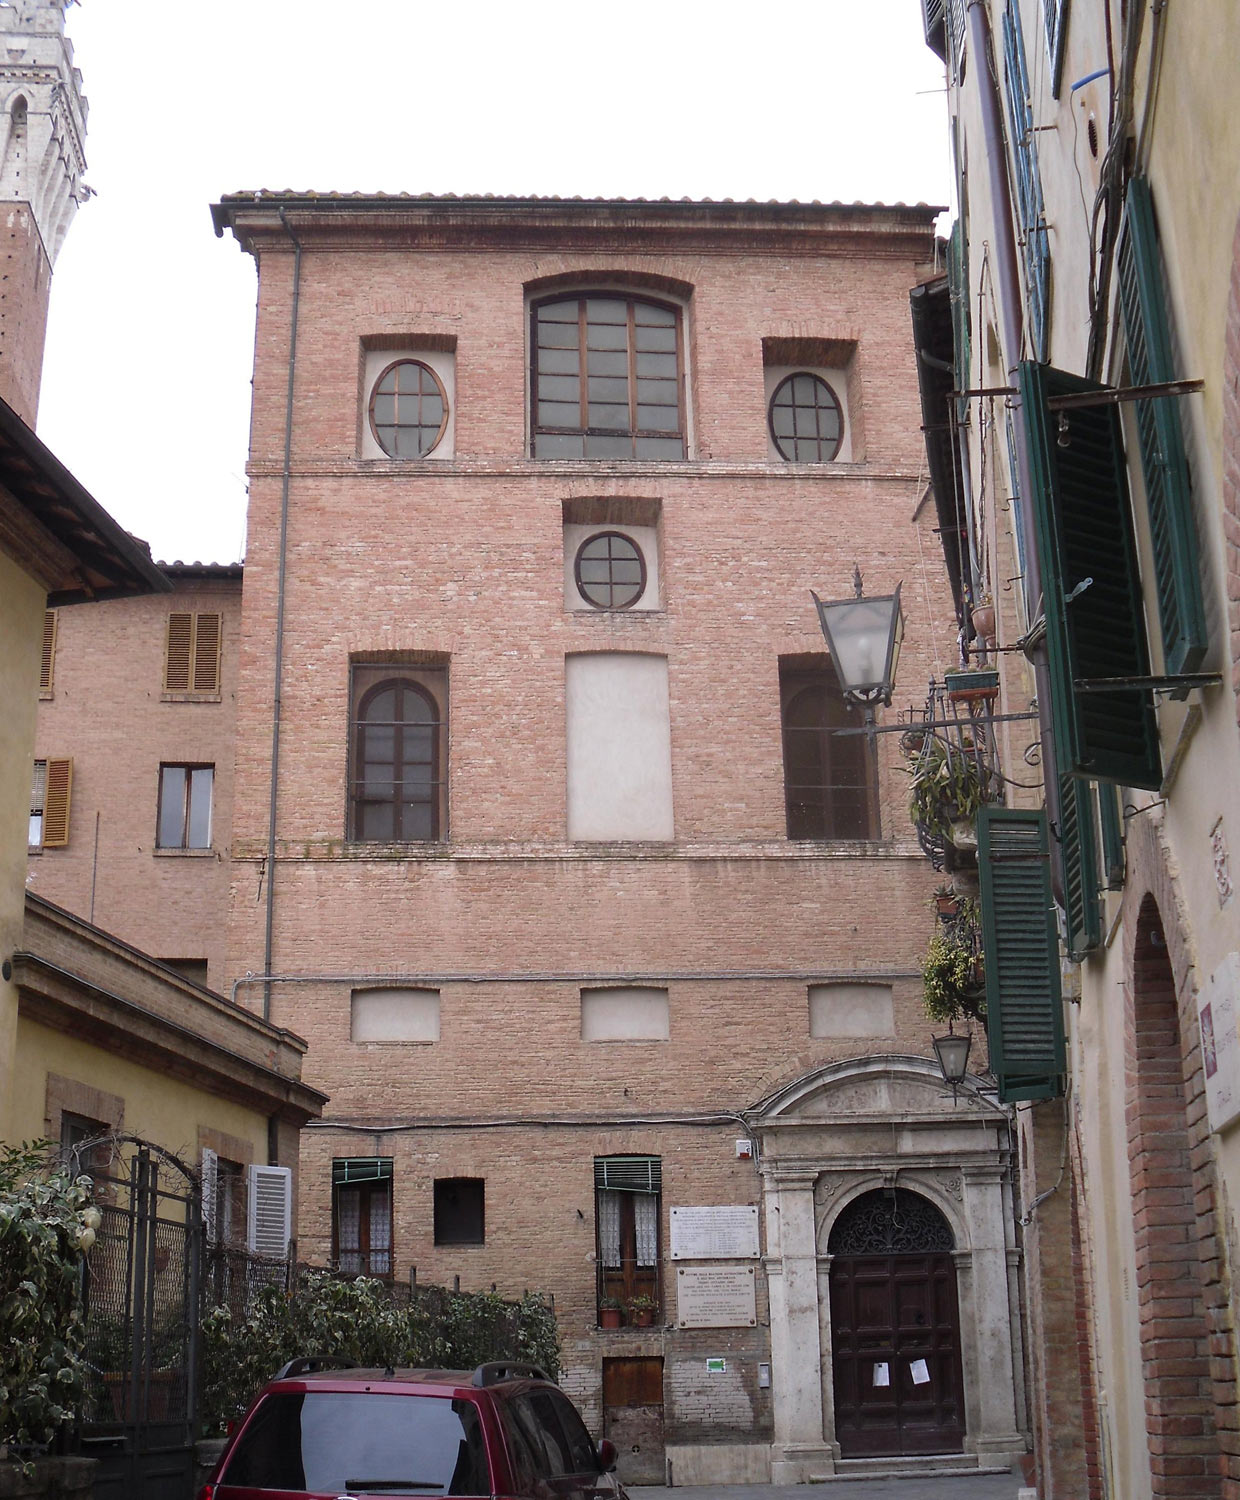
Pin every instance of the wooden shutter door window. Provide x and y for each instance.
(1085, 540)
(177, 653)
(47, 665)
(207, 653)
(1078, 854)
(56, 800)
(1024, 1010)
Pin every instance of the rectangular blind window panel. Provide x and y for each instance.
(269, 1210)
(1164, 461)
(1084, 536)
(629, 1174)
(1023, 1005)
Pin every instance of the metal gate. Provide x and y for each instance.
(142, 1307)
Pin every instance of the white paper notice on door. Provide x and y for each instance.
(882, 1373)
(920, 1372)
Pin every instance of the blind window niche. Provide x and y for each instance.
(625, 1013)
(851, 1009)
(394, 1015)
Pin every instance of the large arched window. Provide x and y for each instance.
(397, 783)
(607, 378)
(830, 787)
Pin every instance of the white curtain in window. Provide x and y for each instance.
(348, 1229)
(646, 1222)
(609, 1227)
(380, 1234)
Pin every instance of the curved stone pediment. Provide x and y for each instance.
(897, 1085)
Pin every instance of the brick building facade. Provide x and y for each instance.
(606, 947)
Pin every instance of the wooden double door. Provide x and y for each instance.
(895, 1349)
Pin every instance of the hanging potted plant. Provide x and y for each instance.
(946, 902)
(972, 685)
(610, 1312)
(945, 793)
(983, 619)
(954, 970)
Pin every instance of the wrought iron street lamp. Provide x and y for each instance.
(863, 636)
(952, 1052)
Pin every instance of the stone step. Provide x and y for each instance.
(942, 1465)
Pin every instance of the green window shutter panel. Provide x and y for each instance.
(1083, 526)
(1113, 862)
(958, 285)
(1024, 1013)
(1078, 856)
(1164, 463)
(1030, 209)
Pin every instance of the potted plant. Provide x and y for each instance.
(945, 793)
(610, 1312)
(642, 1309)
(972, 684)
(946, 902)
(953, 971)
(983, 618)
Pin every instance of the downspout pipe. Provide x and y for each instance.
(281, 581)
(1007, 282)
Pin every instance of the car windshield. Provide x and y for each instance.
(364, 1442)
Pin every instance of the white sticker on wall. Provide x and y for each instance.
(920, 1372)
(882, 1373)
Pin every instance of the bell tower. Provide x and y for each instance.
(42, 130)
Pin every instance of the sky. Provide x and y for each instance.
(146, 380)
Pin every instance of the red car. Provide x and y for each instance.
(504, 1432)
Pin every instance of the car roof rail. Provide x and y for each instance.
(312, 1364)
(508, 1369)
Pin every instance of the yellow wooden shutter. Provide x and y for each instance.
(56, 803)
(49, 651)
(178, 652)
(207, 653)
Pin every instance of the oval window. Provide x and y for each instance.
(610, 571)
(807, 425)
(408, 409)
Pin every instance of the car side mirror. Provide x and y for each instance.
(606, 1456)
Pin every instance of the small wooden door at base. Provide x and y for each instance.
(633, 1418)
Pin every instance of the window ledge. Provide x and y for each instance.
(191, 697)
(776, 848)
(592, 468)
(161, 853)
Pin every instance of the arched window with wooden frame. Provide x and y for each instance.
(830, 779)
(397, 788)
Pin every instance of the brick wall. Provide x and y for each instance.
(108, 712)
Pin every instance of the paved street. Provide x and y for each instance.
(931, 1487)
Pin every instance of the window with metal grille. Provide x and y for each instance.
(362, 1215)
(806, 420)
(192, 647)
(398, 793)
(184, 820)
(830, 782)
(607, 379)
(627, 1207)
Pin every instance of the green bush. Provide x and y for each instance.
(46, 1226)
(361, 1320)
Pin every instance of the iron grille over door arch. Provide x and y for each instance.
(891, 1221)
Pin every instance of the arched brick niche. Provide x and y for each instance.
(1172, 1182)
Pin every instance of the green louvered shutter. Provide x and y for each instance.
(1112, 822)
(1164, 463)
(1078, 856)
(1030, 210)
(958, 285)
(1083, 525)
(1024, 1013)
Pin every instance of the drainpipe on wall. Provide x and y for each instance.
(1007, 282)
(281, 572)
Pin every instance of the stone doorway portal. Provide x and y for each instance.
(895, 1328)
